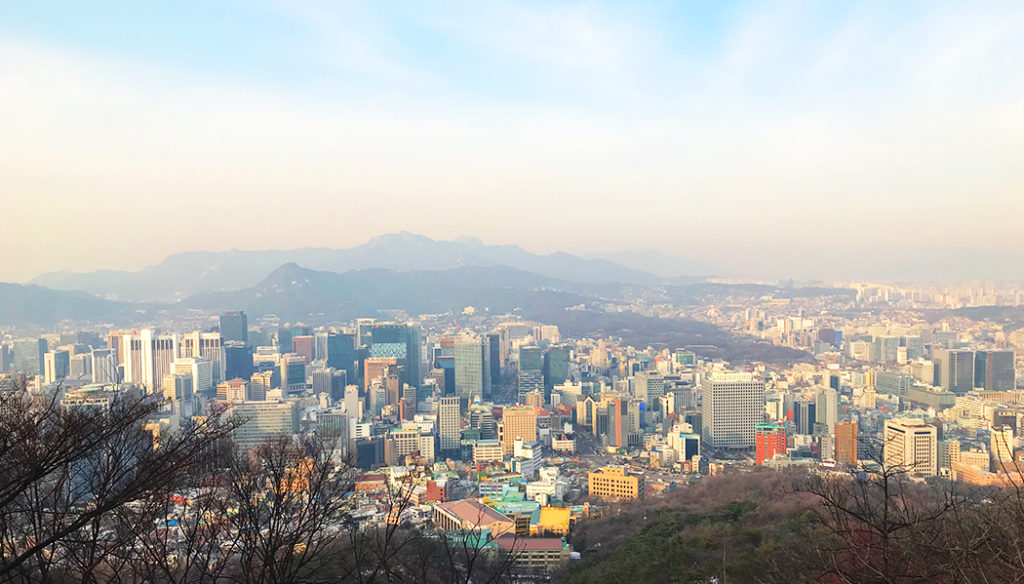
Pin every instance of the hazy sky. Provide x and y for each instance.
(780, 137)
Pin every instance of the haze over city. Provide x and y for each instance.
(511, 292)
(765, 140)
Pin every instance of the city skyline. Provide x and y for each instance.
(766, 140)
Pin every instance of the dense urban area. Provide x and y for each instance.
(510, 440)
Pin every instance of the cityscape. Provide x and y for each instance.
(512, 293)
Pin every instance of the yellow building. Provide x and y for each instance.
(518, 422)
(554, 520)
(612, 482)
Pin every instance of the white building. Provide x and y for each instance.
(911, 444)
(733, 403)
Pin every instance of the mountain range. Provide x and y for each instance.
(182, 275)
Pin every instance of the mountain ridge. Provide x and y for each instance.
(186, 274)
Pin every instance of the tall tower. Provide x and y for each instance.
(471, 372)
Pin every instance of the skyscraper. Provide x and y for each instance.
(206, 346)
(472, 373)
(448, 430)
(303, 345)
(993, 370)
(846, 443)
(398, 341)
(911, 444)
(494, 357)
(517, 422)
(148, 357)
(556, 368)
(56, 365)
(1001, 449)
(234, 326)
(237, 360)
(28, 355)
(648, 387)
(956, 369)
(733, 404)
(531, 374)
(826, 411)
(341, 354)
(104, 366)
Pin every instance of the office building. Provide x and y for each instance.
(28, 356)
(556, 368)
(341, 354)
(733, 404)
(401, 342)
(493, 341)
(648, 387)
(206, 346)
(237, 360)
(104, 366)
(993, 370)
(264, 420)
(148, 357)
(472, 368)
(531, 370)
(293, 373)
(56, 366)
(303, 345)
(847, 443)
(518, 422)
(769, 439)
(612, 482)
(200, 370)
(448, 424)
(956, 369)
(826, 411)
(234, 326)
(1001, 449)
(912, 445)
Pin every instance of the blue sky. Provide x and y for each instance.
(767, 138)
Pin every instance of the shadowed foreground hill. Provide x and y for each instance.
(740, 528)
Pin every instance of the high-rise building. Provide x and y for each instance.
(912, 445)
(892, 383)
(56, 365)
(200, 369)
(402, 342)
(956, 369)
(531, 369)
(259, 384)
(1001, 448)
(494, 357)
(28, 355)
(648, 387)
(846, 443)
(104, 366)
(264, 420)
(234, 326)
(234, 390)
(993, 370)
(303, 345)
(826, 411)
(341, 354)
(518, 422)
(207, 346)
(733, 404)
(472, 369)
(148, 357)
(556, 367)
(237, 360)
(293, 372)
(448, 427)
(769, 440)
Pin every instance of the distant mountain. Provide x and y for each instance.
(33, 305)
(190, 273)
(678, 269)
(293, 292)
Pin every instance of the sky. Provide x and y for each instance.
(782, 138)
